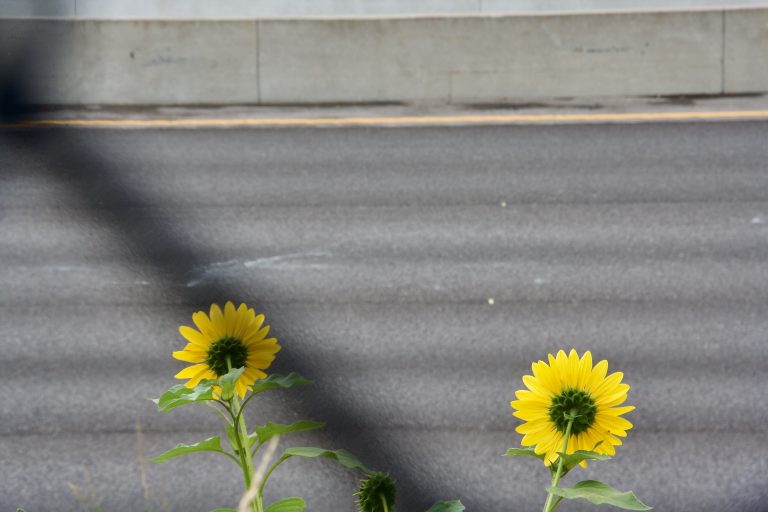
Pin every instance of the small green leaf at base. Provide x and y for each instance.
(523, 452)
(212, 444)
(343, 457)
(600, 493)
(228, 381)
(447, 506)
(179, 395)
(279, 381)
(292, 504)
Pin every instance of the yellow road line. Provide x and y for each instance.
(402, 120)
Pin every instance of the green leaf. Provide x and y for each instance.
(228, 381)
(599, 493)
(212, 444)
(264, 433)
(523, 452)
(447, 506)
(292, 504)
(343, 457)
(179, 395)
(279, 381)
(571, 460)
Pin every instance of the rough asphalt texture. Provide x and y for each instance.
(374, 253)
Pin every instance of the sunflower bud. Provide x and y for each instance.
(377, 493)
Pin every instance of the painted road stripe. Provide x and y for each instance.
(401, 120)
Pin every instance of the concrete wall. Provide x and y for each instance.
(267, 8)
(449, 59)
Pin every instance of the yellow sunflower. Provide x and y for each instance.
(570, 385)
(233, 338)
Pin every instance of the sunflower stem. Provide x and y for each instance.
(241, 435)
(548, 506)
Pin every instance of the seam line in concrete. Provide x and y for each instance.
(722, 54)
(258, 61)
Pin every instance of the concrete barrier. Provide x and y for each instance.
(197, 9)
(745, 63)
(487, 59)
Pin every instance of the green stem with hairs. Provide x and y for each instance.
(241, 436)
(548, 506)
(384, 502)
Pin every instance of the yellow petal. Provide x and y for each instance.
(536, 387)
(608, 384)
(243, 321)
(585, 370)
(217, 320)
(543, 374)
(561, 369)
(260, 363)
(573, 368)
(618, 411)
(194, 337)
(191, 371)
(615, 397)
(194, 381)
(528, 396)
(254, 323)
(531, 415)
(263, 347)
(534, 427)
(230, 318)
(257, 335)
(189, 356)
(205, 326)
(240, 388)
(614, 423)
(597, 376)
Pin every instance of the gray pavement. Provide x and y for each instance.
(374, 253)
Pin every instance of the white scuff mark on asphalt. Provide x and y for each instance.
(214, 269)
(491, 302)
(290, 261)
(539, 280)
(758, 220)
(293, 261)
(68, 268)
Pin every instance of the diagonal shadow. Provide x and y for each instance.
(99, 185)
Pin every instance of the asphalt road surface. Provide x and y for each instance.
(374, 253)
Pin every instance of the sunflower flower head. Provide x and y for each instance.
(570, 387)
(222, 340)
(377, 493)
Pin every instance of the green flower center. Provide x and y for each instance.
(226, 348)
(572, 403)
